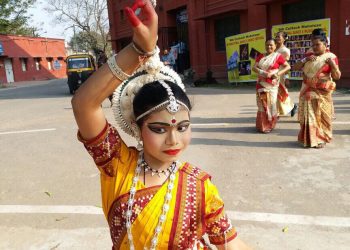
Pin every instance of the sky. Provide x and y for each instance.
(46, 23)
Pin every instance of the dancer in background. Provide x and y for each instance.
(285, 105)
(310, 56)
(269, 67)
(315, 100)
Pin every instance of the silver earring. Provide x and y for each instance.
(139, 146)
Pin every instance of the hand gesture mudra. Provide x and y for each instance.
(145, 24)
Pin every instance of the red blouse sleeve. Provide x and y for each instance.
(281, 60)
(103, 148)
(327, 69)
(336, 61)
(218, 226)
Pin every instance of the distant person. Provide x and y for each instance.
(182, 63)
(168, 59)
(175, 52)
(269, 67)
(315, 99)
(285, 104)
(101, 58)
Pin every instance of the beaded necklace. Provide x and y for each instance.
(154, 241)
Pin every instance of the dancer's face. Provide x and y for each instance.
(318, 46)
(279, 39)
(165, 136)
(270, 46)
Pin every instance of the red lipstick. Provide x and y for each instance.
(172, 152)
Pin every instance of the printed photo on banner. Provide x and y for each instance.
(241, 52)
(299, 39)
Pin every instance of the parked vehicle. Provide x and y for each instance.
(79, 68)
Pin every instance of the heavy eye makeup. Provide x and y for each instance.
(161, 128)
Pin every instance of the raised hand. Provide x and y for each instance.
(330, 62)
(145, 25)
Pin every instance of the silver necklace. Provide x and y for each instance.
(154, 241)
(147, 168)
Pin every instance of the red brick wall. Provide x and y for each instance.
(17, 47)
(253, 16)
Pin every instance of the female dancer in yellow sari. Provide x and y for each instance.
(150, 199)
(270, 67)
(315, 100)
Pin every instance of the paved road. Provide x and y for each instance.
(279, 195)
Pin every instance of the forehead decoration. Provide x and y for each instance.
(123, 97)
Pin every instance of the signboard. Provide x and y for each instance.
(299, 41)
(56, 65)
(241, 53)
(1, 49)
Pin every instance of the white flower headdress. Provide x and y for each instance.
(153, 70)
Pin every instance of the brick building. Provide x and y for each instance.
(31, 58)
(204, 24)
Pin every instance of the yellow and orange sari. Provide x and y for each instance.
(315, 102)
(196, 208)
(267, 91)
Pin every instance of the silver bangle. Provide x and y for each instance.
(116, 70)
(141, 52)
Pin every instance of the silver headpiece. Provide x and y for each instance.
(153, 70)
(172, 105)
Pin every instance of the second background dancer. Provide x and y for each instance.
(285, 105)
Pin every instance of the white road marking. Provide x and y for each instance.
(290, 219)
(341, 123)
(233, 215)
(27, 131)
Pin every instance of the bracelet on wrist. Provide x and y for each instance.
(142, 53)
(116, 70)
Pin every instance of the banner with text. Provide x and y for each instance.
(299, 39)
(241, 52)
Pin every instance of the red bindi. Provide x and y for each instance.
(173, 120)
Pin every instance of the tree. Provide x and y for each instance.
(14, 19)
(90, 17)
(82, 42)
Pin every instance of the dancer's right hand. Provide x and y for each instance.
(145, 25)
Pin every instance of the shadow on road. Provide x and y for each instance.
(232, 120)
(240, 130)
(341, 102)
(53, 89)
(259, 144)
(218, 91)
